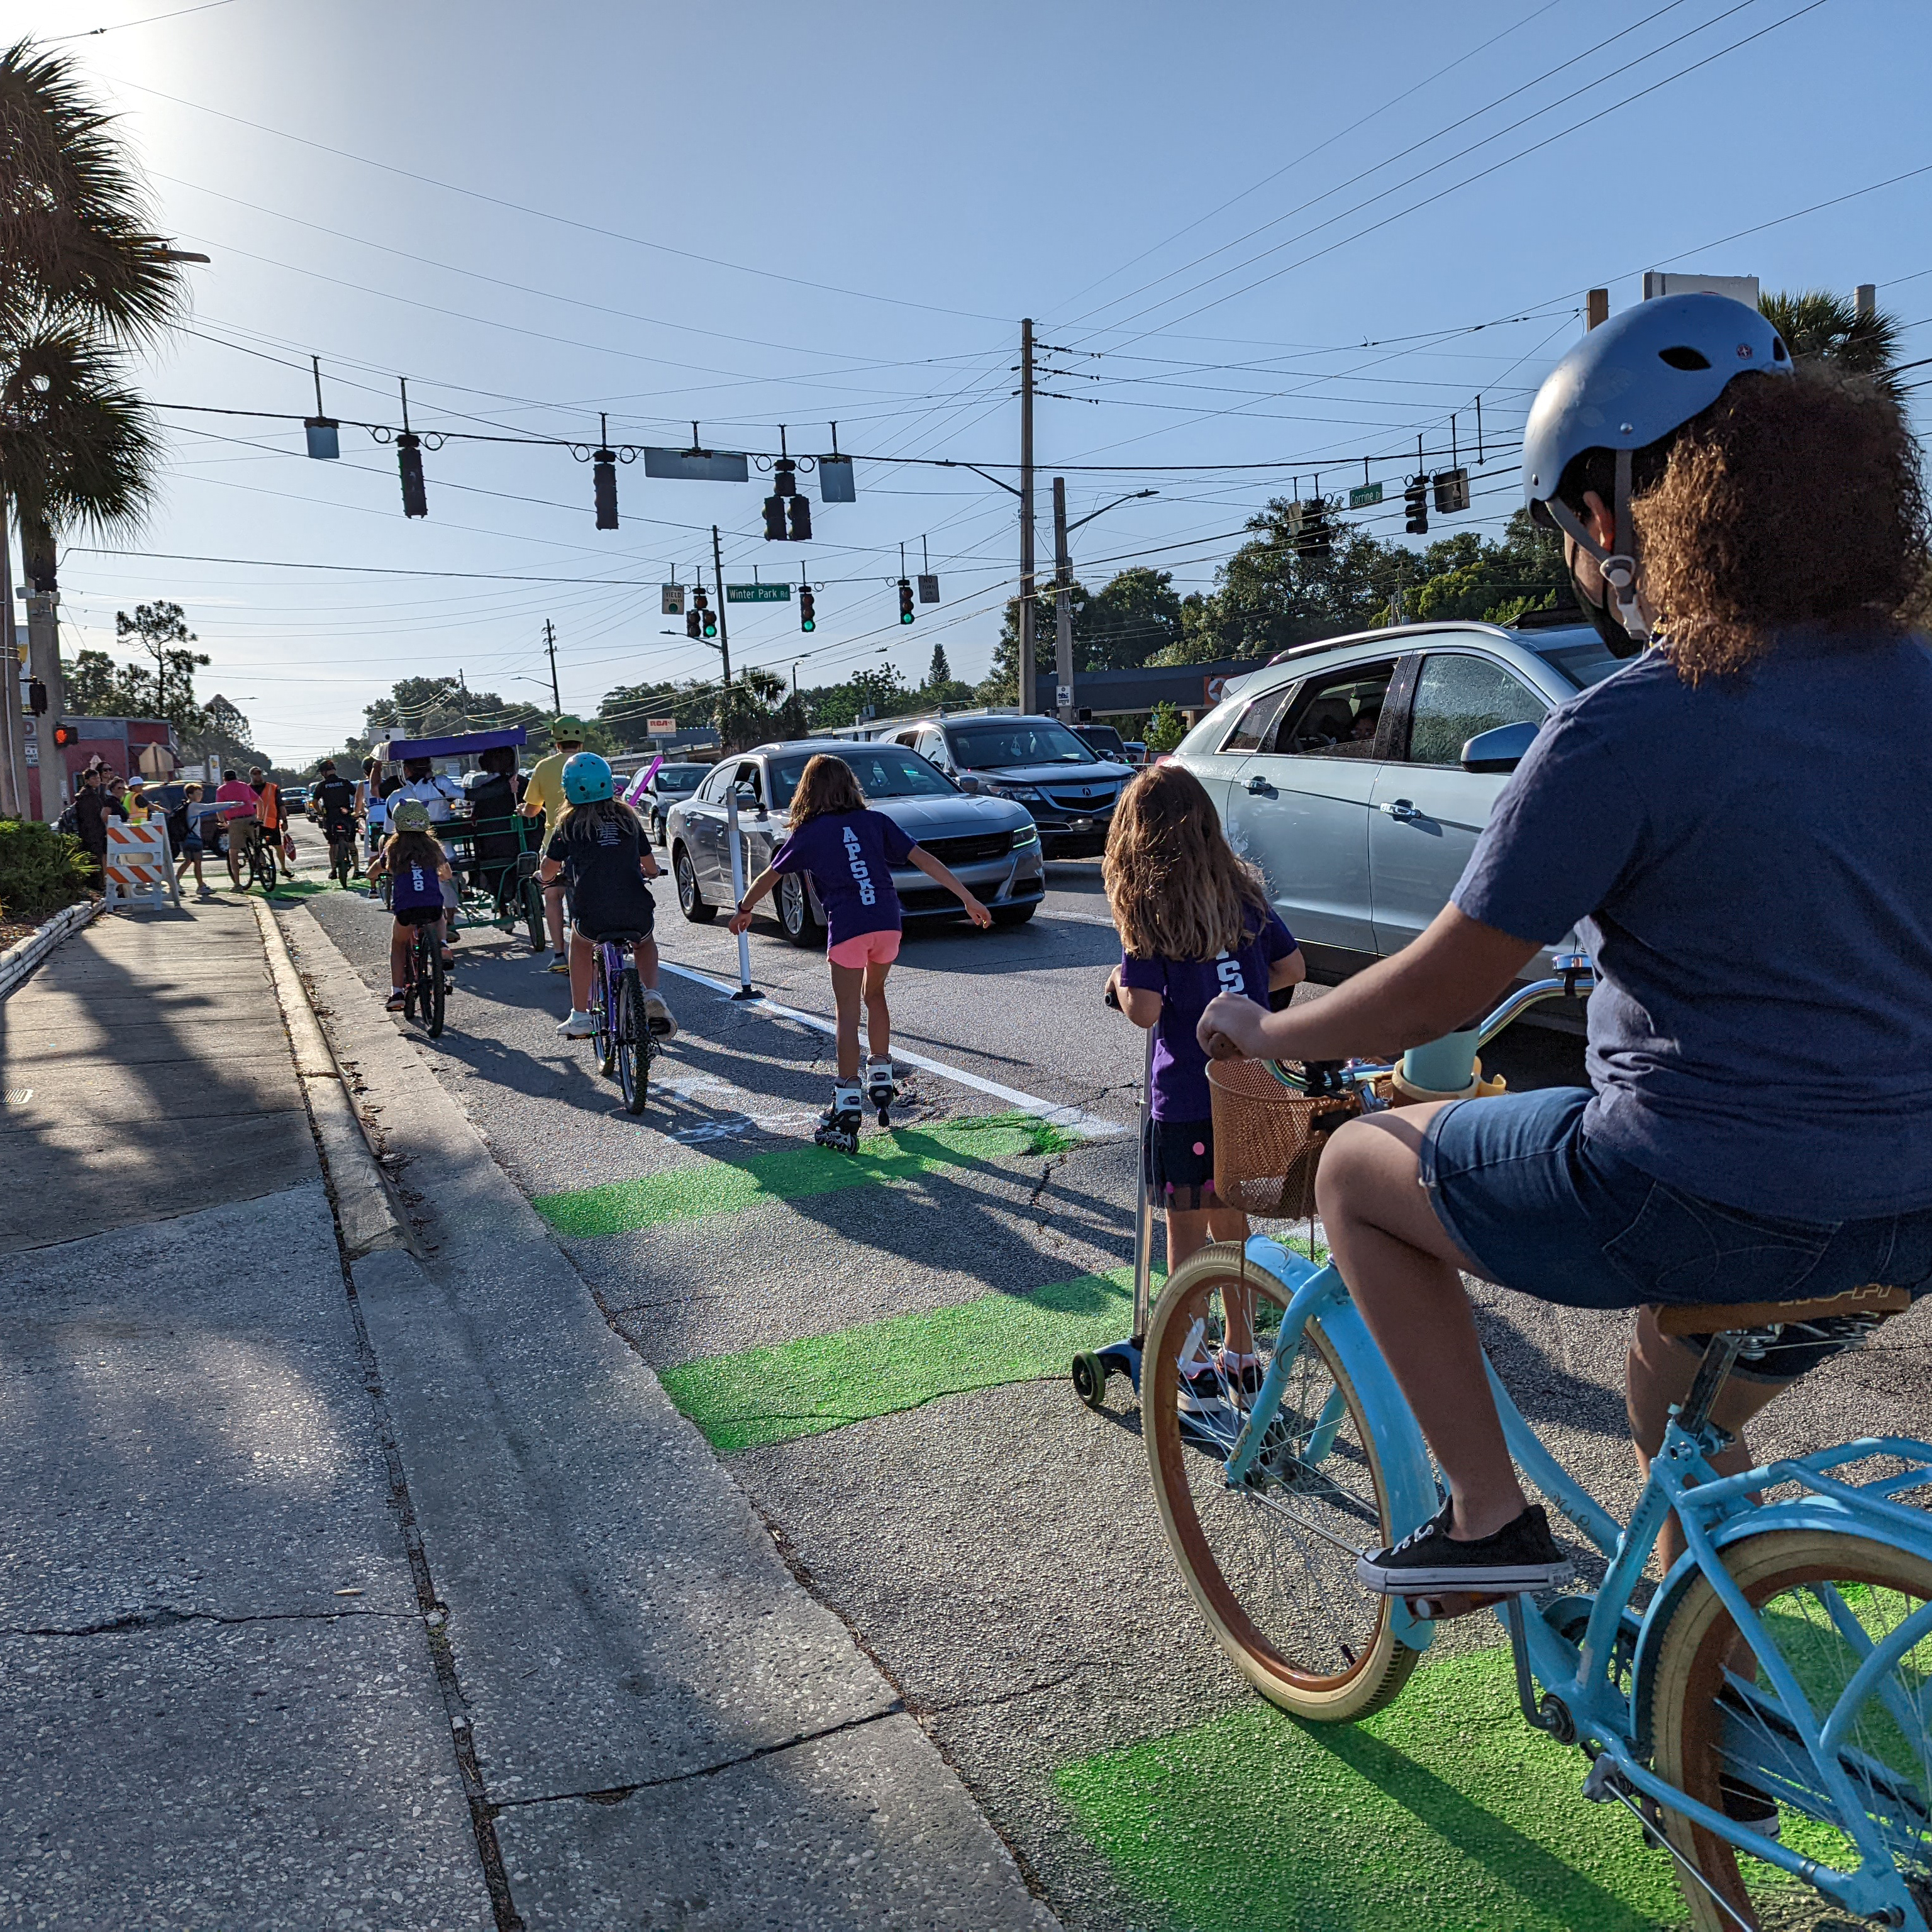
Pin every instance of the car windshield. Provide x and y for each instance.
(1020, 741)
(883, 771)
(1581, 655)
(1104, 739)
(680, 778)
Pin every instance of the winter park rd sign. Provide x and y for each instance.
(758, 593)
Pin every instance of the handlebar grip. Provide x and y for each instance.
(1113, 999)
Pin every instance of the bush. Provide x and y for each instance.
(41, 870)
(1165, 729)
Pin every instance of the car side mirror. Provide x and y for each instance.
(1501, 749)
(969, 783)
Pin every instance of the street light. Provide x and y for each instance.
(1063, 587)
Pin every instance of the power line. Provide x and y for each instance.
(180, 13)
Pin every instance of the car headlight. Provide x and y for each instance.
(1027, 834)
(1027, 793)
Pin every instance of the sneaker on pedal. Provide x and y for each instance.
(1745, 1804)
(1242, 1375)
(559, 962)
(578, 1026)
(1522, 1556)
(657, 1014)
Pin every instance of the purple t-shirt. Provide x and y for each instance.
(850, 855)
(415, 887)
(1185, 987)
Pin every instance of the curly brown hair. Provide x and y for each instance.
(1790, 502)
(1177, 889)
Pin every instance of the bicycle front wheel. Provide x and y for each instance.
(1826, 1600)
(633, 1041)
(1272, 1564)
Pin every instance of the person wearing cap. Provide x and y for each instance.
(1721, 820)
(544, 798)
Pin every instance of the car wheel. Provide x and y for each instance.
(690, 900)
(657, 828)
(795, 913)
(1017, 915)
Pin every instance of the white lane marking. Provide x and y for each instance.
(1071, 1120)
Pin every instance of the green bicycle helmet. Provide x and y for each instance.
(409, 814)
(587, 778)
(566, 730)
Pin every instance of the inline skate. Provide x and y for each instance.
(881, 1090)
(838, 1125)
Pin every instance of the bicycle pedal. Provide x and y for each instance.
(1453, 1604)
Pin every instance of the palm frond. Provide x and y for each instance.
(1819, 325)
(77, 238)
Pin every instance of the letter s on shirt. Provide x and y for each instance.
(1228, 970)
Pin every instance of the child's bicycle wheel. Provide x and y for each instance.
(1272, 1565)
(262, 865)
(431, 984)
(1828, 1600)
(632, 1042)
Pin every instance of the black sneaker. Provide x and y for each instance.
(1204, 1390)
(1522, 1556)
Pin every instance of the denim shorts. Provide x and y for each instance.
(1538, 1206)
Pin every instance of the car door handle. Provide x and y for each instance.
(1258, 786)
(1402, 808)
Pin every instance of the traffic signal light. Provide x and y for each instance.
(694, 624)
(784, 477)
(37, 697)
(65, 735)
(604, 487)
(1452, 491)
(408, 463)
(707, 618)
(775, 519)
(808, 618)
(801, 518)
(1317, 540)
(905, 601)
(1415, 503)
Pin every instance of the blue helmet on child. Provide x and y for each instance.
(587, 778)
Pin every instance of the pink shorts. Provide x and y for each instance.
(867, 949)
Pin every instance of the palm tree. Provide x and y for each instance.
(83, 278)
(1819, 326)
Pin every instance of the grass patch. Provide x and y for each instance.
(715, 1186)
(880, 1368)
(1444, 1810)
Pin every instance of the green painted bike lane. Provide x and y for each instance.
(1444, 1810)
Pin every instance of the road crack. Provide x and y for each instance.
(164, 1617)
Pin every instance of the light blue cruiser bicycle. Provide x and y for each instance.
(1788, 1651)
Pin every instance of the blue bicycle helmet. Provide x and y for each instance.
(1630, 384)
(587, 778)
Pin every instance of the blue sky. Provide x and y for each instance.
(1265, 235)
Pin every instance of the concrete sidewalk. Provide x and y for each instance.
(412, 1603)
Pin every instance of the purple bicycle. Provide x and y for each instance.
(622, 1033)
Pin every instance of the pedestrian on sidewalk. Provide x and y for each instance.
(236, 800)
(93, 808)
(600, 844)
(543, 797)
(184, 840)
(850, 850)
(418, 869)
(1195, 921)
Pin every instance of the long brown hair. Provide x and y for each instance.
(581, 821)
(412, 848)
(827, 785)
(1177, 889)
(1790, 502)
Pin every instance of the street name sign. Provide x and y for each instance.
(758, 593)
(1363, 494)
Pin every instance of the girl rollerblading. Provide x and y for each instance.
(850, 850)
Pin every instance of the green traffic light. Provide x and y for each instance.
(807, 624)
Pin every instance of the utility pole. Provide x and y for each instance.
(550, 643)
(724, 628)
(1063, 608)
(44, 662)
(1027, 679)
(13, 762)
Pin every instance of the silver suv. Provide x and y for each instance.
(1040, 762)
(1358, 772)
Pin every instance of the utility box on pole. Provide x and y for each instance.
(1739, 288)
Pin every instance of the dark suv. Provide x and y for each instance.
(1037, 762)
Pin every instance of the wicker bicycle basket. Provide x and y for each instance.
(1268, 1138)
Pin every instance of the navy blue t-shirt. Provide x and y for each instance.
(850, 855)
(1748, 860)
(1185, 987)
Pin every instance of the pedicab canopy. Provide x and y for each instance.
(465, 745)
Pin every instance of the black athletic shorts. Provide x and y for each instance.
(419, 915)
(1178, 1164)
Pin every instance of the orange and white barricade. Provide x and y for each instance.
(139, 867)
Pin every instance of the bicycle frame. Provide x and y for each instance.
(1584, 1703)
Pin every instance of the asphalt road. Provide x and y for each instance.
(877, 1350)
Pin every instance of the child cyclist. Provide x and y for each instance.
(850, 850)
(599, 843)
(1195, 921)
(417, 867)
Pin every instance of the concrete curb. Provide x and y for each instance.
(20, 958)
(367, 1212)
